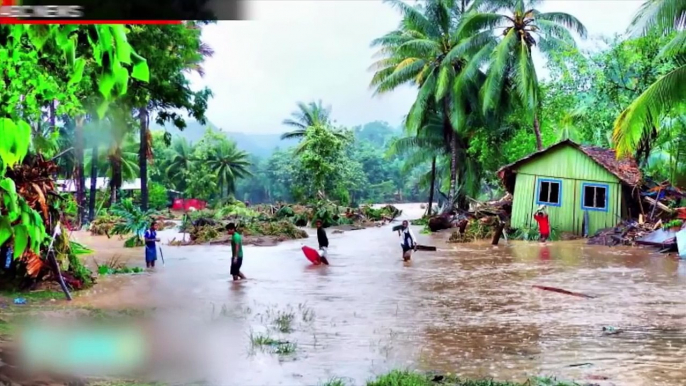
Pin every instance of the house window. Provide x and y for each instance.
(549, 192)
(594, 197)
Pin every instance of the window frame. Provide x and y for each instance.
(595, 185)
(539, 182)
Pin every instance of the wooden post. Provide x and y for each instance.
(498, 233)
(657, 200)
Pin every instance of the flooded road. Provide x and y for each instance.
(468, 309)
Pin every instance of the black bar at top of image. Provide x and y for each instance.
(152, 9)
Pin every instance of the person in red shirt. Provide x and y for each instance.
(543, 224)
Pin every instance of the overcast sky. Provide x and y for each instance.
(308, 50)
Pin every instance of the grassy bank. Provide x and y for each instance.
(410, 378)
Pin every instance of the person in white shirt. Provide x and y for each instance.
(407, 241)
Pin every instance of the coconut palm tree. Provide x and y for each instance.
(182, 52)
(642, 117)
(511, 68)
(119, 163)
(308, 115)
(420, 147)
(229, 163)
(180, 160)
(430, 52)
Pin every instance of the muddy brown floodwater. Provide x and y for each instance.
(468, 309)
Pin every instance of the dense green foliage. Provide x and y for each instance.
(447, 49)
(86, 96)
(350, 166)
(29, 57)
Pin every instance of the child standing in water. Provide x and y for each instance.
(323, 242)
(543, 223)
(236, 252)
(407, 241)
(150, 246)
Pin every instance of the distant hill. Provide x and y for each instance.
(263, 145)
(260, 145)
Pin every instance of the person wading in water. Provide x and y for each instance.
(323, 242)
(150, 246)
(236, 252)
(407, 241)
(543, 223)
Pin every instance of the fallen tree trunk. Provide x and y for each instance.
(439, 223)
(562, 291)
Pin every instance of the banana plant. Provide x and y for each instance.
(134, 221)
(27, 83)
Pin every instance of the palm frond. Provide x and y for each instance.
(293, 123)
(399, 77)
(551, 29)
(564, 19)
(498, 69)
(664, 15)
(469, 46)
(481, 22)
(295, 134)
(446, 74)
(526, 81)
(675, 47)
(412, 14)
(644, 112)
(421, 104)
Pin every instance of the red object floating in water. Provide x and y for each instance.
(312, 255)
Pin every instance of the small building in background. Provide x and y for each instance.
(576, 183)
(101, 183)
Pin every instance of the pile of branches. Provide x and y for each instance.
(475, 229)
(329, 213)
(626, 233)
(488, 212)
(104, 224)
(215, 232)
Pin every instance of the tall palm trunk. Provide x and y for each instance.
(453, 172)
(451, 137)
(433, 186)
(80, 177)
(94, 186)
(143, 154)
(537, 132)
(115, 183)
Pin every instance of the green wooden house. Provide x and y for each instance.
(574, 182)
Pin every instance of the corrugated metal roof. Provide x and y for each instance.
(100, 183)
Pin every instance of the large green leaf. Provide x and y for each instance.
(106, 84)
(7, 141)
(104, 38)
(123, 48)
(22, 140)
(77, 73)
(21, 240)
(5, 230)
(121, 77)
(141, 71)
(39, 35)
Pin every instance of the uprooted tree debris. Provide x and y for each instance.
(656, 226)
(34, 184)
(266, 224)
(482, 221)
